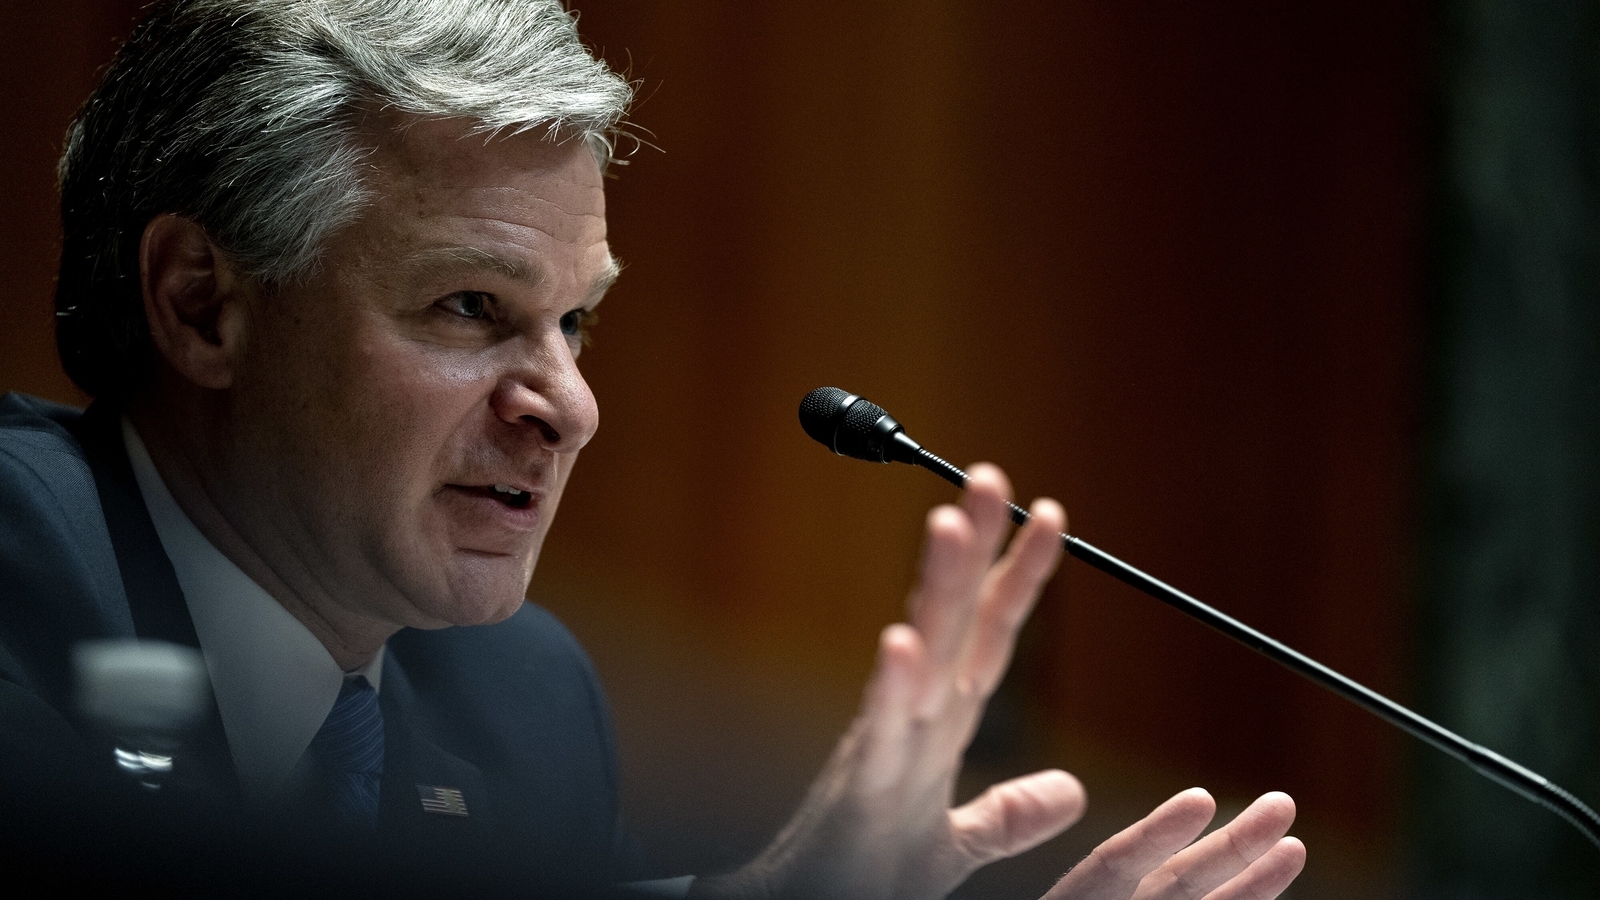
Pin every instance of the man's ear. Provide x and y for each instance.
(193, 299)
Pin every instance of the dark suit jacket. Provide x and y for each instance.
(510, 714)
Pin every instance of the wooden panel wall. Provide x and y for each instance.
(1160, 260)
(50, 55)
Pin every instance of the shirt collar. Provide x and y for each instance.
(274, 681)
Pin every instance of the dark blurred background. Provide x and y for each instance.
(1293, 305)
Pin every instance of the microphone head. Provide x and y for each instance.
(821, 410)
(145, 694)
(850, 425)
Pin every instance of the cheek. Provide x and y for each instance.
(427, 415)
(393, 395)
(352, 414)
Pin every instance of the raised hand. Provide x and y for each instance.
(1157, 857)
(877, 823)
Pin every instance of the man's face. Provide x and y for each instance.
(431, 358)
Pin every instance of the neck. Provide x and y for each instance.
(185, 466)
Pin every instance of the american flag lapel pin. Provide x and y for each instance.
(443, 801)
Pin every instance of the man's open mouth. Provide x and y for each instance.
(510, 496)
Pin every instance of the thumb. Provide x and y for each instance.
(1017, 815)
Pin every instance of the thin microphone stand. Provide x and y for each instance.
(1484, 761)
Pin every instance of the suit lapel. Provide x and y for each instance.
(428, 795)
(155, 599)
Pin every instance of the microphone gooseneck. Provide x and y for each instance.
(850, 425)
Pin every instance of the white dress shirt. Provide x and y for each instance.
(273, 680)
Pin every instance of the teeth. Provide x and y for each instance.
(507, 489)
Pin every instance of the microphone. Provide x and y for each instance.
(147, 696)
(850, 425)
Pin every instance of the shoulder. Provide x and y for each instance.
(58, 574)
(531, 646)
(47, 487)
(37, 445)
(520, 701)
(504, 693)
(24, 412)
(43, 468)
(527, 670)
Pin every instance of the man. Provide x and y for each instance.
(327, 270)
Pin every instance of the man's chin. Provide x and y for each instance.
(469, 611)
(479, 589)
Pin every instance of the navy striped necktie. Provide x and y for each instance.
(349, 751)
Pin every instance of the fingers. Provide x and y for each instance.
(1268, 876)
(1218, 857)
(962, 543)
(951, 573)
(1114, 869)
(932, 676)
(1247, 859)
(961, 581)
(984, 500)
(1017, 815)
(1009, 593)
(891, 699)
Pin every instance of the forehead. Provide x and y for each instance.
(528, 188)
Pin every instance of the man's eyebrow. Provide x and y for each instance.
(606, 280)
(441, 261)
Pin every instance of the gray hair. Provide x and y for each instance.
(244, 115)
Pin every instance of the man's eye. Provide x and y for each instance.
(468, 304)
(578, 322)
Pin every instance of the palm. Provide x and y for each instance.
(877, 822)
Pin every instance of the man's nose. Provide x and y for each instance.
(548, 393)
